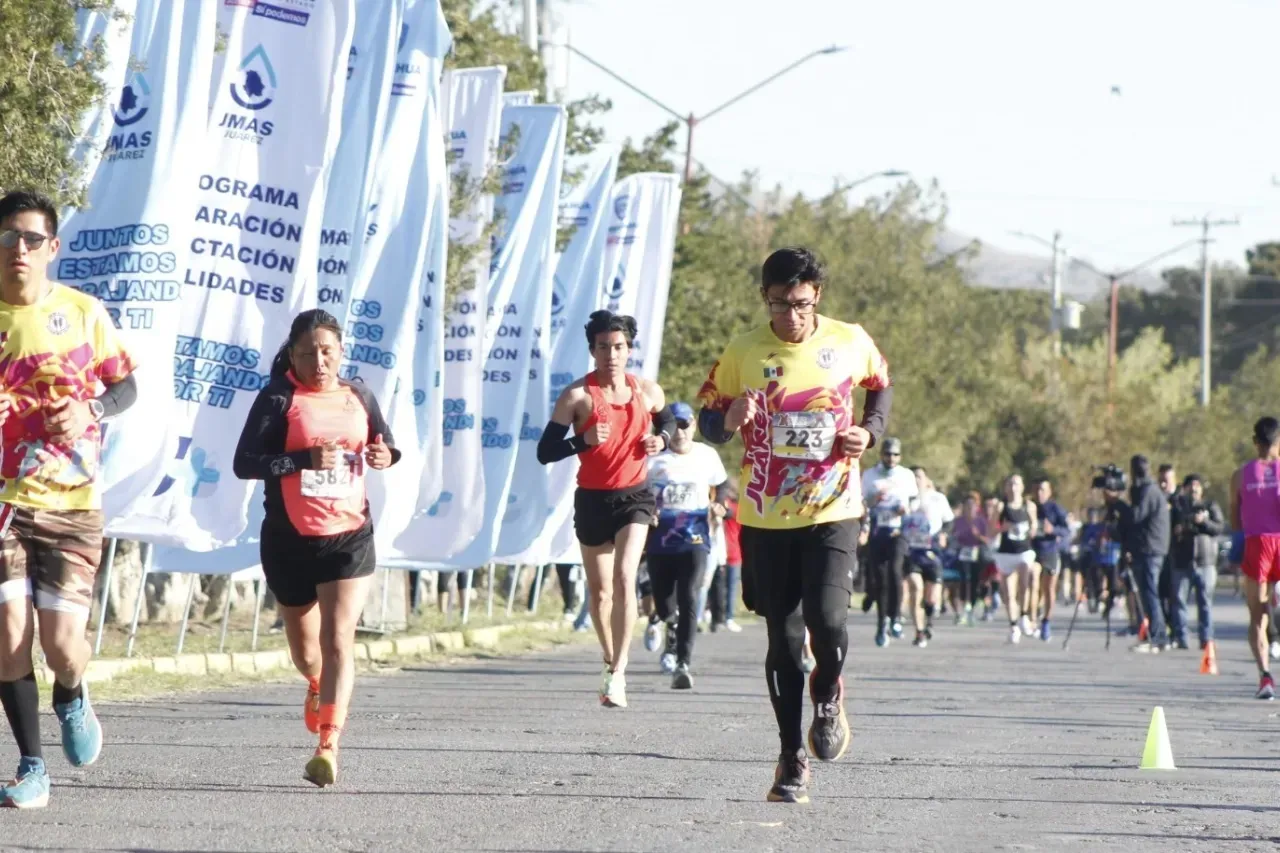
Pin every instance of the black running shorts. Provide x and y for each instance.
(598, 514)
(825, 555)
(295, 565)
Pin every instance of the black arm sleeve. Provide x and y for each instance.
(664, 424)
(260, 452)
(118, 396)
(553, 446)
(377, 424)
(711, 425)
(875, 414)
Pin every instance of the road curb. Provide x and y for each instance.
(409, 646)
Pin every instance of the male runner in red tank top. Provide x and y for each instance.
(614, 416)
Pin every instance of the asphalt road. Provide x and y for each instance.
(967, 745)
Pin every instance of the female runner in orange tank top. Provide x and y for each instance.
(619, 420)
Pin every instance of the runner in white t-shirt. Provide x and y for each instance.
(684, 480)
(887, 489)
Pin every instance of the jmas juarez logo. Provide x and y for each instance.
(253, 89)
(127, 141)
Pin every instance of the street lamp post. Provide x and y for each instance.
(691, 120)
(1055, 284)
(887, 173)
(1113, 280)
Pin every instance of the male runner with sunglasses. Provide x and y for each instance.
(63, 369)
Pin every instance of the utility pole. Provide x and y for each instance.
(531, 24)
(1206, 298)
(1055, 294)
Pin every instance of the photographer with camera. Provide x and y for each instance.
(1110, 547)
(1197, 524)
(1148, 544)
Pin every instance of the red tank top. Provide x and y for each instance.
(620, 462)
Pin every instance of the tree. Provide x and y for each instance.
(46, 86)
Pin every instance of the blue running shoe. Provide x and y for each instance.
(896, 630)
(81, 733)
(30, 789)
(882, 635)
(1045, 631)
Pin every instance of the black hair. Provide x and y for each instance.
(790, 267)
(604, 322)
(1192, 478)
(304, 323)
(1266, 431)
(20, 201)
(1140, 467)
(1165, 468)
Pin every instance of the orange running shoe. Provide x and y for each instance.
(311, 707)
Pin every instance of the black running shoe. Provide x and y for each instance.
(683, 679)
(790, 778)
(829, 734)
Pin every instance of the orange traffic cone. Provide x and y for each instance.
(1209, 663)
(1142, 631)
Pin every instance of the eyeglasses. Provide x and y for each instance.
(684, 424)
(802, 308)
(9, 239)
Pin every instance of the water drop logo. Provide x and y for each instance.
(557, 296)
(256, 89)
(620, 205)
(617, 286)
(135, 100)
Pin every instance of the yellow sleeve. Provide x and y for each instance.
(724, 382)
(111, 359)
(869, 362)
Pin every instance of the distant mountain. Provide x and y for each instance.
(1005, 270)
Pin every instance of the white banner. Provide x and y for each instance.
(115, 27)
(258, 207)
(585, 209)
(528, 502)
(371, 66)
(128, 245)
(637, 266)
(519, 303)
(472, 102)
(394, 326)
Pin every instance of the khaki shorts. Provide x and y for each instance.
(51, 556)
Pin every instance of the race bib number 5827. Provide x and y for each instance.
(334, 483)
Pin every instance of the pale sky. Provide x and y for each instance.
(1007, 103)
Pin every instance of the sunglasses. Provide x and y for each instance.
(9, 239)
(684, 424)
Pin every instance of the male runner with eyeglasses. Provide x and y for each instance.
(790, 387)
(63, 369)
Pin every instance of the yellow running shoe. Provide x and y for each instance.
(322, 769)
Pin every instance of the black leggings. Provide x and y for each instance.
(803, 579)
(886, 556)
(971, 576)
(677, 581)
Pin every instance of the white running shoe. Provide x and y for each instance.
(1028, 630)
(1275, 651)
(653, 636)
(1015, 635)
(732, 627)
(667, 663)
(613, 692)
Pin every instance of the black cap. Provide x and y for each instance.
(892, 445)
